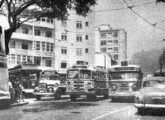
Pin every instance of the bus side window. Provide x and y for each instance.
(94, 75)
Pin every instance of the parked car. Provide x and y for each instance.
(151, 94)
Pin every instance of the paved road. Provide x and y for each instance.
(83, 109)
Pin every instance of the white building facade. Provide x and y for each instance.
(112, 42)
(54, 44)
(33, 42)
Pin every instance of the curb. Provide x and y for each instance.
(19, 104)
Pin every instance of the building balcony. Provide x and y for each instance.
(30, 37)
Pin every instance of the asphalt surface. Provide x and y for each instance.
(82, 109)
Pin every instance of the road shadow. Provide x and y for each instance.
(122, 100)
(54, 105)
(153, 112)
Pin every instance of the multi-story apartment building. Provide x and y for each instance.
(53, 43)
(75, 41)
(33, 42)
(112, 41)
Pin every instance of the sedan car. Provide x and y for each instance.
(151, 94)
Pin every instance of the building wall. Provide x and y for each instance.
(113, 42)
(33, 42)
(86, 44)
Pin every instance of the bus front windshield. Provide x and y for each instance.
(117, 76)
(50, 77)
(85, 74)
(73, 74)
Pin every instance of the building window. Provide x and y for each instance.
(86, 24)
(63, 23)
(78, 24)
(37, 60)
(79, 52)
(24, 58)
(116, 33)
(48, 34)
(102, 35)
(64, 50)
(37, 45)
(37, 32)
(52, 47)
(25, 30)
(29, 59)
(13, 58)
(79, 38)
(43, 46)
(51, 20)
(110, 41)
(48, 47)
(103, 42)
(86, 37)
(86, 50)
(63, 36)
(12, 44)
(18, 59)
(115, 41)
(103, 50)
(25, 45)
(116, 57)
(48, 63)
(43, 19)
(115, 49)
(63, 64)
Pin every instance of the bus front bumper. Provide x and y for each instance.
(81, 93)
(117, 94)
(43, 94)
(158, 106)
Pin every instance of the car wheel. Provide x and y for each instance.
(73, 97)
(57, 95)
(38, 97)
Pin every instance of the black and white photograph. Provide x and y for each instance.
(82, 59)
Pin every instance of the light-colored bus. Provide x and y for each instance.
(86, 80)
(124, 81)
(4, 88)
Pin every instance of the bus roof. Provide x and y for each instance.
(119, 68)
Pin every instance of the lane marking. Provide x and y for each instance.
(112, 113)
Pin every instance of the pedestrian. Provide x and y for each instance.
(12, 92)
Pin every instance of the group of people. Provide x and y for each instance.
(15, 88)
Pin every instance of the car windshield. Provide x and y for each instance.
(85, 74)
(117, 76)
(51, 77)
(73, 74)
(152, 83)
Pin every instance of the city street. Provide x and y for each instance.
(83, 109)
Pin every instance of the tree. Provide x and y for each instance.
(20, 11)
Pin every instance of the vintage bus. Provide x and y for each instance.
(124, 81)
(28, 75)
(50, 85)
(89, 81)
(4, 88)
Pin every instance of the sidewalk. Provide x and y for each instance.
(19, 103)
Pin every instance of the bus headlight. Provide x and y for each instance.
(56, 85)
(114, 87)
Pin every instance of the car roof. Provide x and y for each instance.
(153, 78)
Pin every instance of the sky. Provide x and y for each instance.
(141, 33)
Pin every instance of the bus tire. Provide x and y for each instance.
(57, 95)
(106, 96)
(73, 97)
(38, 97)
(141, 111)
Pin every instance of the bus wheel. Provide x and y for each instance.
(73, 97)
(38, 97)
(57, 95)
(106, 96)
(141, 111)
(91, 97)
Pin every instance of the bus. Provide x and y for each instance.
(124, 81)
(87, 81)
(28, 74)
(50, 85)
(4, 87)
(159, 72)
